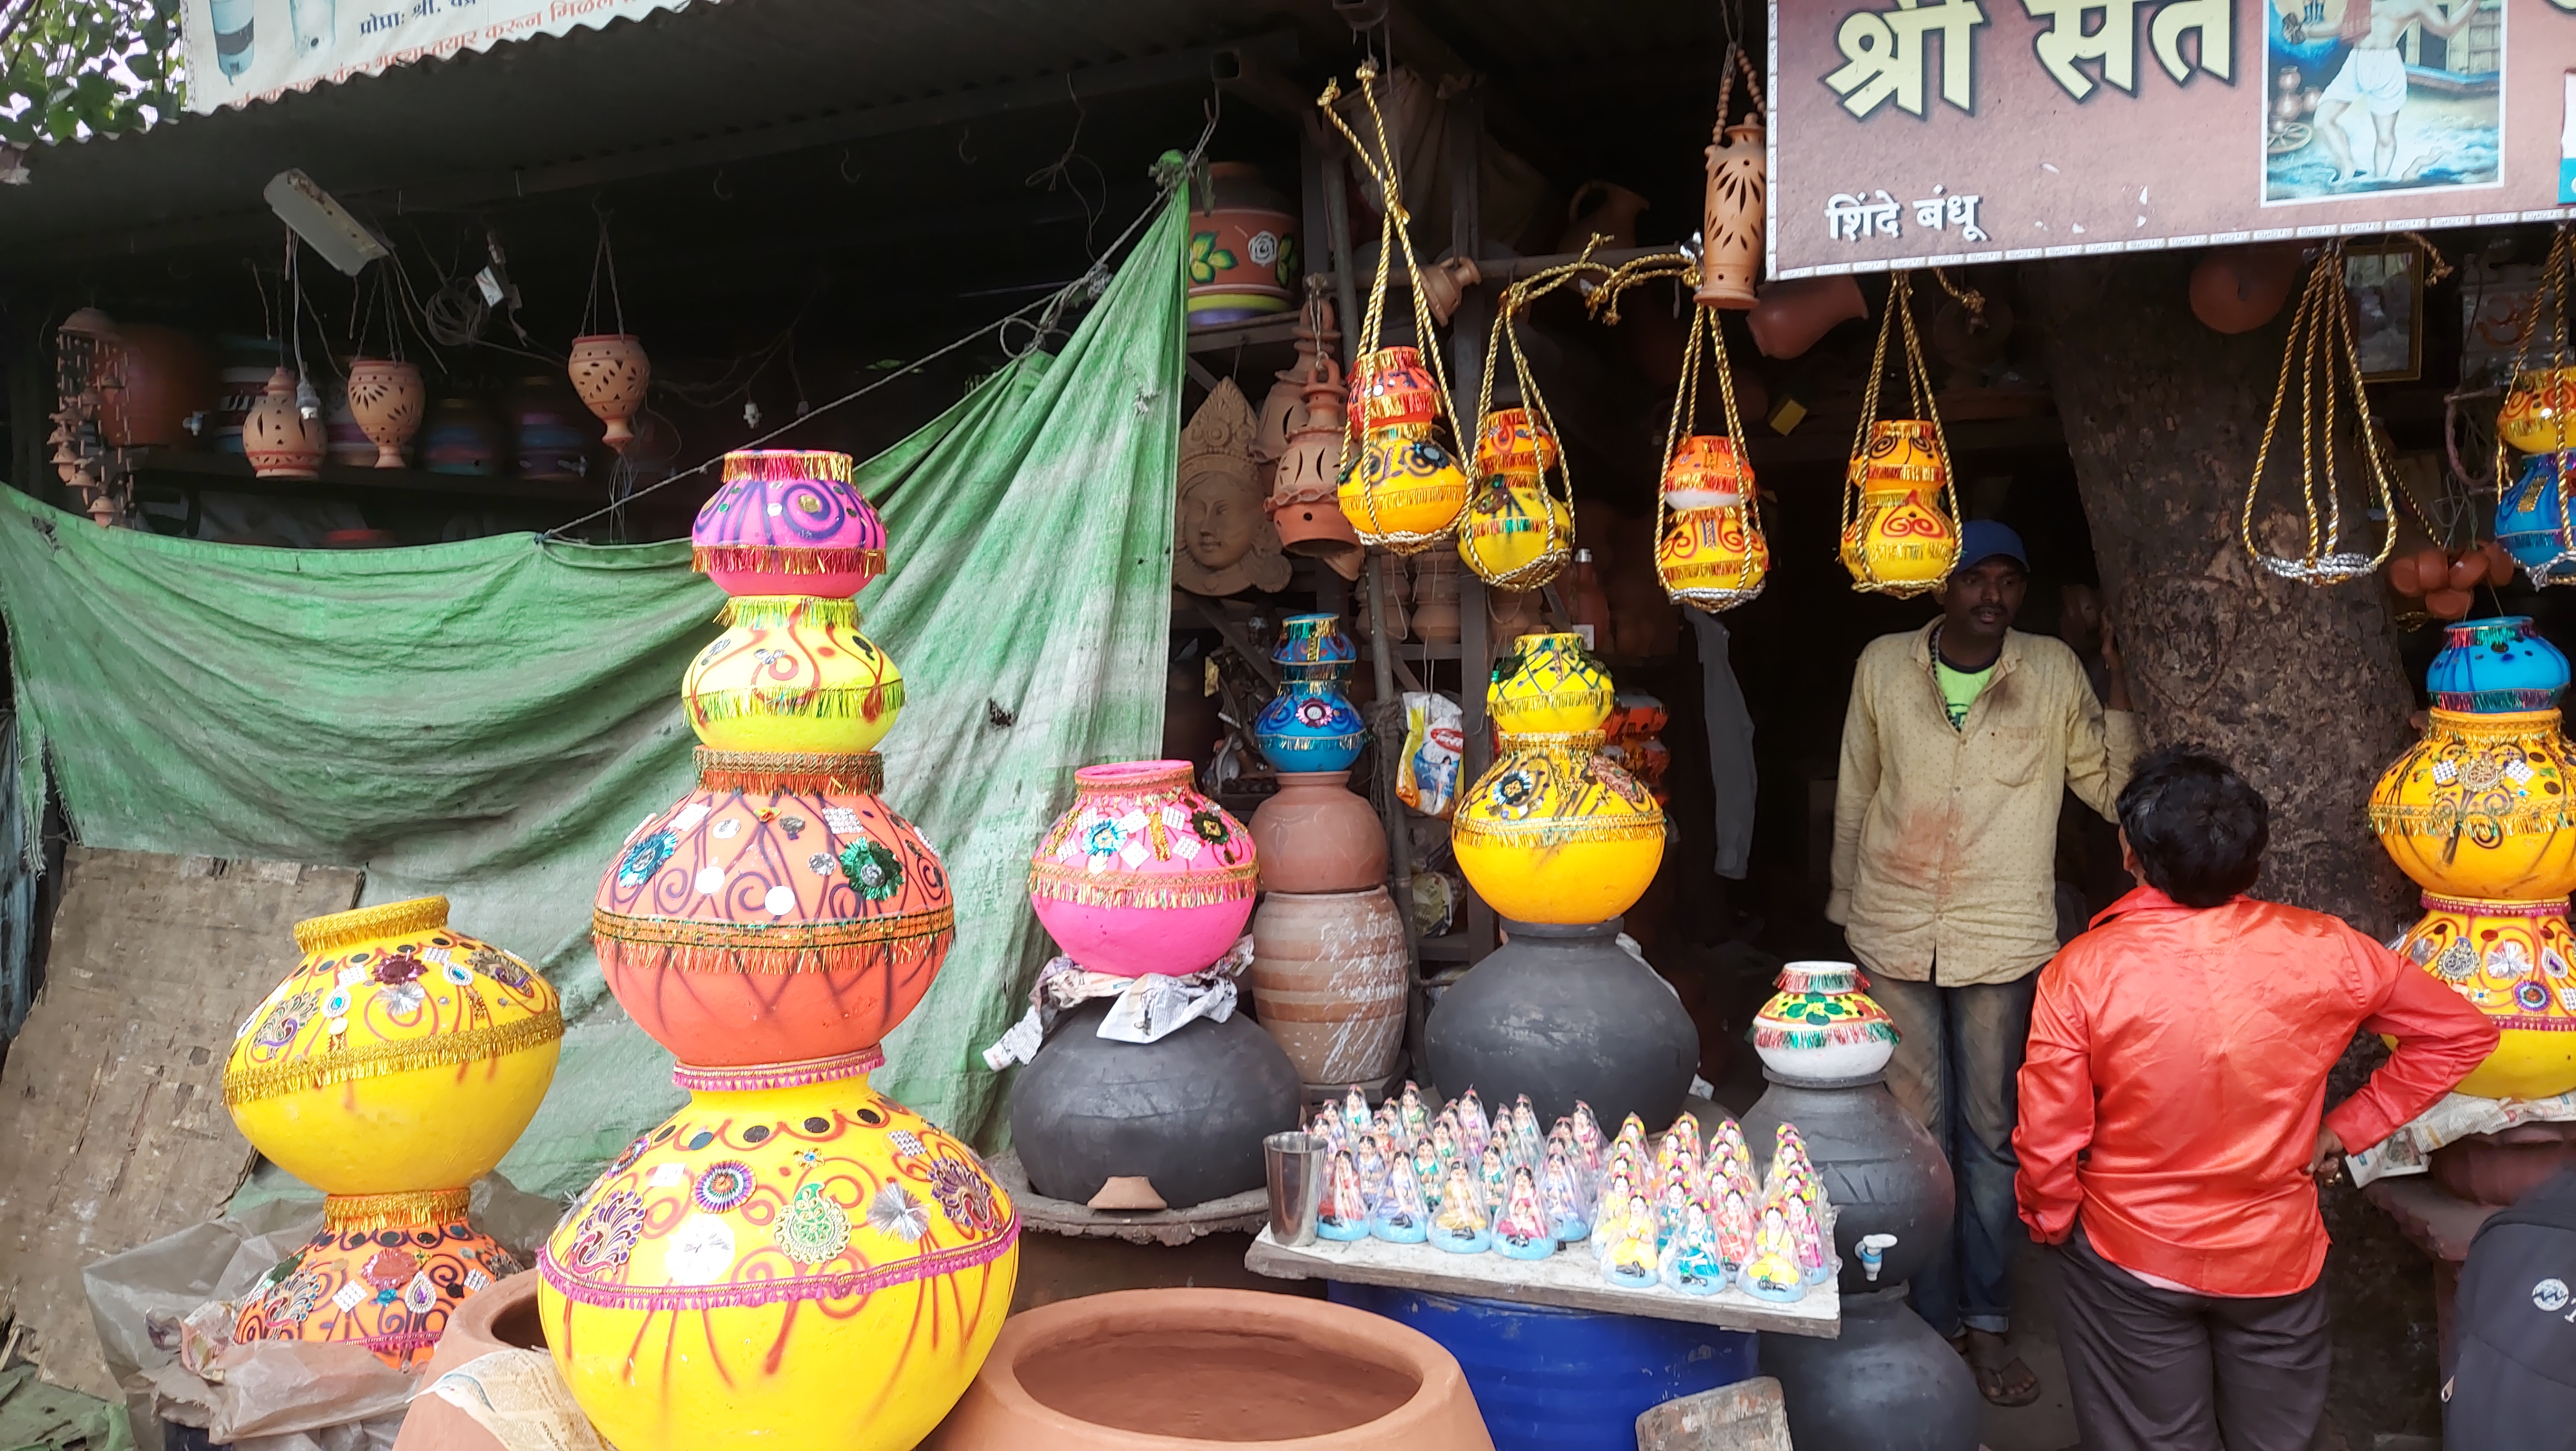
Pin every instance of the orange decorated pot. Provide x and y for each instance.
(1902, 541)
(1712, 552)
(1390, 388)
(780, 911)
(386, 1271)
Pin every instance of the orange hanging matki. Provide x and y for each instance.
(1900, 508)
(1517, 533)
(1402, 490)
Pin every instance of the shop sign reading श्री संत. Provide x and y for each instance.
(1937, 132)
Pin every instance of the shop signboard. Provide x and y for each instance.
(241, 51)
(1934, 132)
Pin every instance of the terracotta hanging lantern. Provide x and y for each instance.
(610, 372)
(385, 396)
(1730, 256)
(280, 441)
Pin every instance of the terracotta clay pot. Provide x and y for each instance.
(1243, 259)
(1316, 835)
(1435, 611)
(2501, 1167)
(1445, 282)
(281, 442)
(151, 380)
(386, 397)
(503, 1317)
(610, 372)
(1177, 1370)
(2238, 289)
(1602, 208)
(1328, 972)
(1731, 228)
(1791, 316)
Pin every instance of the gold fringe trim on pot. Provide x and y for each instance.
(315, 935)
(395, 1211)
(378, 1060)
(768, 464)
(785, 773)
(786, 559)
(834, 702)
(777, 611)
(1536, 833)
(661, 943)
(1057, 882)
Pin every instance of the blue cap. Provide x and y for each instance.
(1984, 539)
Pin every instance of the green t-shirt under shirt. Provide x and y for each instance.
(1960, 688)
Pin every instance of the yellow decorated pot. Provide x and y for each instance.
(399, 1055)
(1549, 684)
(1515, 534)
(2512, 960)
(791, 674)
(1404, 492)
(2539, 414)
(386, 1272)
(2478, 808)
(1712, 552)
(791, 1260)
(1903, 540)
(1554, 833)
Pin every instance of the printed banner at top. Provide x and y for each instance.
(1933, 132)
(240, 51)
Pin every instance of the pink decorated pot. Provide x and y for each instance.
(788, 522)
(1143, 874)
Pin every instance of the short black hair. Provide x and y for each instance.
(2198, 828)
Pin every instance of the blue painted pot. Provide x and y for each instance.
(1308, 726)
(2499, 664)
(2531, 518)
(1564, 1380)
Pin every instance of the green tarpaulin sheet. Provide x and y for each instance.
(489, 719)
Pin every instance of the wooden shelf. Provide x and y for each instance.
(232, 471)
(1252, 332)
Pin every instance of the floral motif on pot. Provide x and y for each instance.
(2516, 962)
(792, 673)
(1553, 833)
(1821, 1024)
(1549, 684)
(1143, 874)
(788, 522)
(385, 1272)
(781, 910)
(839, 1289)
(388, 1059)
(2478, 807)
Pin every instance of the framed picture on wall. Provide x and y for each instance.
(2385, 283)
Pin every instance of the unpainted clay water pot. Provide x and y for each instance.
(1186, 1113)
(503, 1317)
(1317, 835)
(1887, 1383)
(1184, 1369)
(1328, 979)
(1882, 1171)
(1564, 1013)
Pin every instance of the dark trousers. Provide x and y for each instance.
(1958, 1059)
(2167, 1370)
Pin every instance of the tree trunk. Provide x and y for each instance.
(2298, 686)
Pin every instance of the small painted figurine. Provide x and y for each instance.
(1587, 1137)
(1560, 1193)
(1772, 1273)
(1610, 1216)
(1505, 1141)
(1328, 1127)
(1632, 1132)
(1355, 1112)
(1806, 1239)
(1344, 1213)
(1691, 1263)
(1525, 1124)
(1444, 1136)
(1522, 1232)
(1417, 1121)
(1459, 1226)
(1735, 1228)
(1369, 1156)
(1789, 1161)
(1671, 1212)
(1389, 1125)
(1402, 1218)
(1428, 1171)
(1631, 1259)
(1474, 1129)
(1492, 1178)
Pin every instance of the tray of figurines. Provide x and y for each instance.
(1667, 1225)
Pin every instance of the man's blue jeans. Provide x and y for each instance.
(1958, 1059)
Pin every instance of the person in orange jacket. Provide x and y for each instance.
(2174, 1128)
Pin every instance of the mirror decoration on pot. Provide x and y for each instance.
(1900, 519)
(2539, 419)
(2321, 368)
(792, 1255)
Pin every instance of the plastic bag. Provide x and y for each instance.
(1426, 779)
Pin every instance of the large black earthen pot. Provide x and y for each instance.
(1564, 1013)
(1881, 1169)
(1187, 1113)
(1887, 1383)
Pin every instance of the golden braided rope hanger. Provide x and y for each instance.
(2321, 337)
(1553, 552)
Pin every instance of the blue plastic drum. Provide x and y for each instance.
(1564, 1380)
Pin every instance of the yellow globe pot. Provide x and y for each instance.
(1404, 492)
(1554, 833)
(792, 1260)
(1549, 685)
(400, 1055)
(792, 674)
(2478, 808)
(1902, 539)
(1515, 534)
(2539, 414)
(2513, 961)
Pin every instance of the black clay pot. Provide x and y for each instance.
(1187, 1113)
(1887, 1383)
(1882, 1171)
(1562, 1013)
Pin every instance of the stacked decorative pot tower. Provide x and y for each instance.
(390, 1070)
(2477, 812)
(792, 1257)
(1560, 842)
(1328, 963)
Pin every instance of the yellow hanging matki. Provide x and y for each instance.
(1517, 533)
(1401, 489)
(1900, 508)
(2327, 362)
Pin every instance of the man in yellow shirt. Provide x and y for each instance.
(1960, 741)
